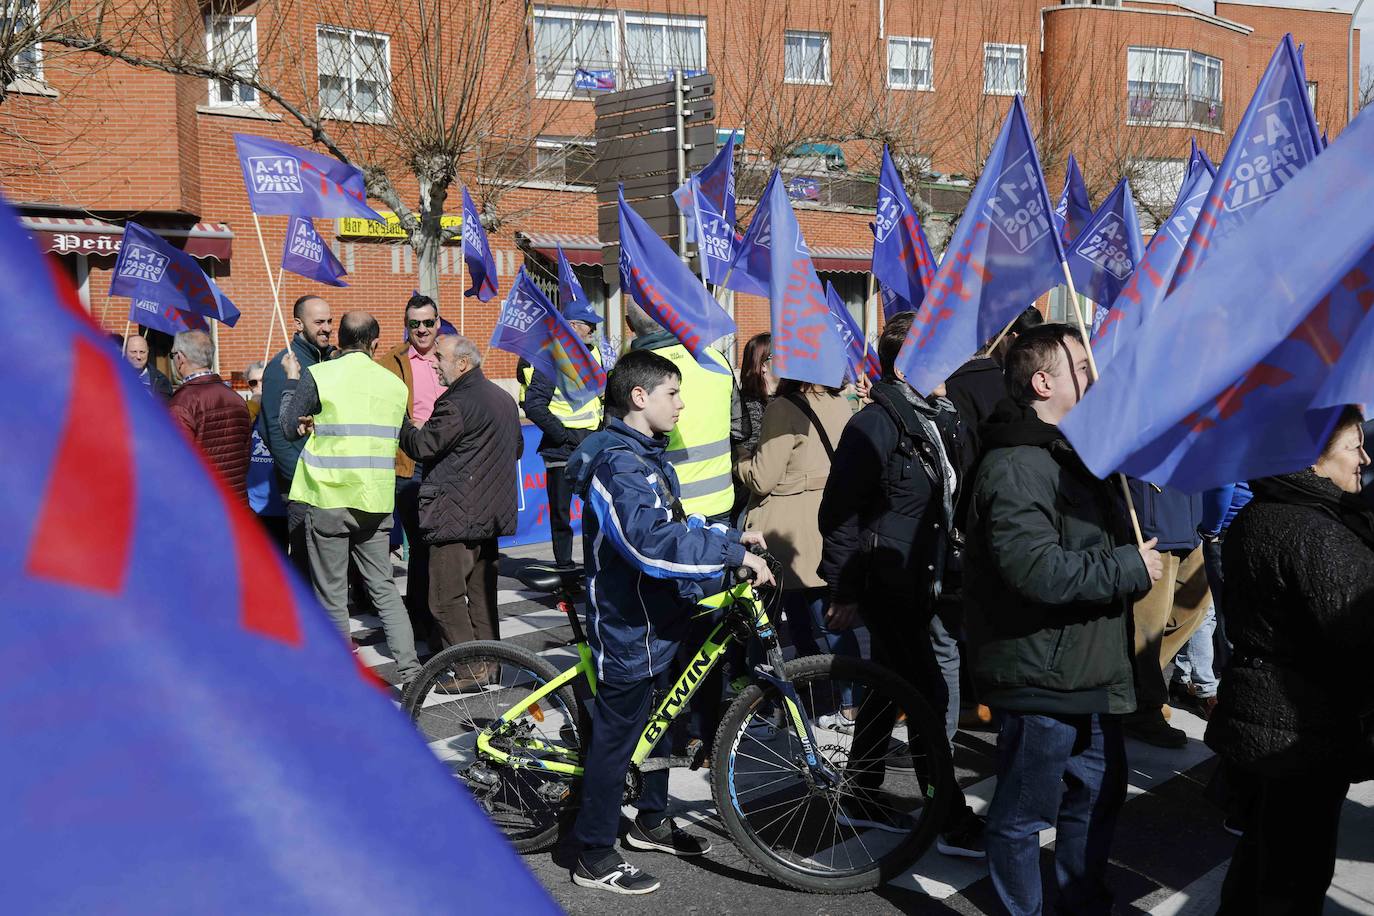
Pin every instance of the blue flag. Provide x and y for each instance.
(213, 729)
(708, 201)
(749, 270)
(902, 260)
(572, 299)
(477, 254)
(285, 179)
(165, 318)
(1003, 255)
(1220, 383)
(666, 289)
(530, 327)
(152, 272)
(593, 80)
(305, 253)
(1104, 255)
(861, 360)
(1273, 143)
(1074, 210)
(806, 345)
(1147, 285)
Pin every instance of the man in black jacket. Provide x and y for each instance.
(884, 521)
(469, 447)
(314, 328)
(1049, 573)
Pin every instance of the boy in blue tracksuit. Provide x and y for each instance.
(647, 566)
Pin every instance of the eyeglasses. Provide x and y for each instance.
(414, 323)
(255, 383)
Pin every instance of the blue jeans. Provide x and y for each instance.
(1194, 664)
(946, 647)
(805, 609)
(1067, 772)
(1221, 646)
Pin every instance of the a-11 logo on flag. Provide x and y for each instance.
(889, 213)
(717, 237)
(1269, 159)
(1015, 208)
(1180, 224)
(521, 312)
(275, 174)
(1106, 247)
(142, 263)
(306, 242)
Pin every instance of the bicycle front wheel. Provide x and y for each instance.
(872, 805)
(462, 693)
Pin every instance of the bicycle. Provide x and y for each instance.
(846, 805)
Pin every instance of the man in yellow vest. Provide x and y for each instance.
(564, 429)
(351, 408)
(699, 446)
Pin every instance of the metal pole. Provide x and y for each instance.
(681, 161)
(1350, 65)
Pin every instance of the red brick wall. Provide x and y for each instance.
(122, 140)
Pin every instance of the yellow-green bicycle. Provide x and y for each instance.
(824, 771)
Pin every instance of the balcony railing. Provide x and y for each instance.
(1189, 111)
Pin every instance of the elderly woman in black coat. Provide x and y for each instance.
(1292, 718)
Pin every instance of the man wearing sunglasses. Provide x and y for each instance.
(415, 362)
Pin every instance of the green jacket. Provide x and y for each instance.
(1050, 570)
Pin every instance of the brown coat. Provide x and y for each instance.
(397, 362)
(786, 477)
(216, 419)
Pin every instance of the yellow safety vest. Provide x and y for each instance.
(349, 461)
(699, 446)
(589, 417)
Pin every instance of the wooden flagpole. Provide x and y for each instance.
(276, 298)
(1092, 370)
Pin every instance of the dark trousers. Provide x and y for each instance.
(899, 639)
(560, 513)
(462, 590)
(1221, 646)
(1284, 862)
(1067, 772)
(619, 714)
(295, 535)
(417, 565)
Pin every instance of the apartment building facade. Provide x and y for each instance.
(813, 88)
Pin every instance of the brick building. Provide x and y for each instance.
(814, 86)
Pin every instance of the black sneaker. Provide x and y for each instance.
(854, 812)
(666, 837)
(965, 839)
(613, 874)
(1152, 729)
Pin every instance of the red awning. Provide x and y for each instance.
(841, 260)
(579, 249)
(91, 236)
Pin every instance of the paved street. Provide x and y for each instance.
(1169, 855)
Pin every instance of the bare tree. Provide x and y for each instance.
(1365, 90)
(411, 92)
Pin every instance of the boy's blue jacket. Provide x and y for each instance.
(645, 571)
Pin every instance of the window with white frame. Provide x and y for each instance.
(231, 43)
(655, 46)
(909, 63)
(1173, 86)
(564, 161)
(806, 57)
(355, 73)
(567, 40)
(1004, 69)
(17, 19)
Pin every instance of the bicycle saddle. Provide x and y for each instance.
(550, 579)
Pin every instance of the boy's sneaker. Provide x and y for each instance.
(854, 812)
(666, 837)
(965, 839)
(614, 874)
(837, 722)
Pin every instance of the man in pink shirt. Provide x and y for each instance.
(415, 362)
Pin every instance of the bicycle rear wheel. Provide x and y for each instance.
(462, 692)
(886, 793)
